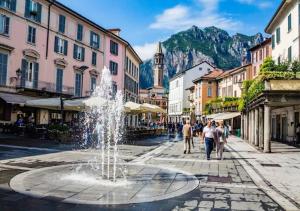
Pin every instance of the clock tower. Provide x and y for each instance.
(158, 67)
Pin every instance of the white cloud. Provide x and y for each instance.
(204, 13)
(262, 4)
(146, 51)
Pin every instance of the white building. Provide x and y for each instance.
(284, 28)
(179, 105)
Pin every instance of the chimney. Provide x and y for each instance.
(115, 31)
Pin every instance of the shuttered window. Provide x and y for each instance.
(62, 24)
(94, 40)
(61, 46)
(3, 68)
(114, 48)
(93, 83)
(4, 25)
(278, 35)
(113, 66)
(273, 41)
(31, 37)
(59, 80)
(79, 32)
(33, 10)
(8, 4)
(289, 22)
(290, 54)
(94, 58)
(78, 84)
(78, 53)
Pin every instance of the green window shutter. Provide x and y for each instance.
(289, 22)
(75, 51)
(23, 72)
(290, 54)
(91, 39)
(27, 8)
(83, 54)
(65, 47)
(62, 23)
(278, 35)
(56, 44)
(36, 76)
(39, 13)
(79, 32)
(273, 41)
(3, 68)
(6, 25)
(59, 80)
(13, 5)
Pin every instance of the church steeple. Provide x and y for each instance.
(158, 66)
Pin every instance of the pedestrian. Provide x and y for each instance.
(209, 138)
(221, 136)
(187, 135)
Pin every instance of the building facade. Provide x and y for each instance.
(285, 31)
(49, 50)
(206, 89)
(258, 54)
(179, 105)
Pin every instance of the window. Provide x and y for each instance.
(61, 46)
(8, 4)
(278, 60)
(93, 83)
(94, 58)
(290, 54)
(113, 66)
(79, 32)
(62, 24)
(59, 80)
(4, 25)
(289, 22)
(254, 71)
(278, 35)
(31, 34)
(260, 54)
(114, 47)
(78, 53)
(78, 84)
(95, 40)
(267, 51)
(33, 10)
(209, 92)
(3, 68)
(273, 41)
(30, 76)
(114, 87)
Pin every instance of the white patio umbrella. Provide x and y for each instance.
(132, 107)
(152, 108)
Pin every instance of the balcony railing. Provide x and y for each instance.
(47, 87)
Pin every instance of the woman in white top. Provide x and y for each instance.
(209, 138)
(221, 135)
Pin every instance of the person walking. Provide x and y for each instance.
(209, 138)
(187, 135)
(221, 136)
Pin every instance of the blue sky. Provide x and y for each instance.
(145, 22)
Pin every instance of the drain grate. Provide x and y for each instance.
(219, 179)
(270, 165)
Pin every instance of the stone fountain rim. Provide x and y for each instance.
(16, 184)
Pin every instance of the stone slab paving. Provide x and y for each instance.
(223, 185)
(279, 170)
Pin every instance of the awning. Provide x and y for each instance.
(152, 108)
(225, 116)
(15, 98)
(212, 116)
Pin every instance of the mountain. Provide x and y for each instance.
(188, 48)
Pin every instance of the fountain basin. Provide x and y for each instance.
(144, 183)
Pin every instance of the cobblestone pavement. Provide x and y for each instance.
(223, 185)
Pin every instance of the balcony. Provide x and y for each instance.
(47, 87)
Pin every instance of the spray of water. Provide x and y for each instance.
(103, 123)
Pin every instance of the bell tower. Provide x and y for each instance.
(158, 67)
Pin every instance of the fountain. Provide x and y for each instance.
(105, 178)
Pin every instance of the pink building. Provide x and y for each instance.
(258, 54)
(49, 50)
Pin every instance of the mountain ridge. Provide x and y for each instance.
(194, 45)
